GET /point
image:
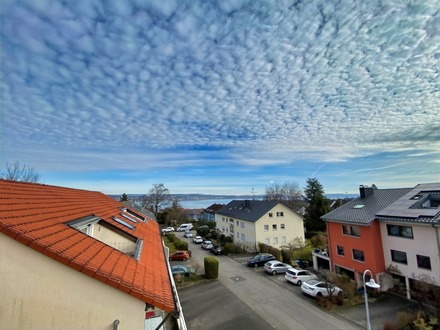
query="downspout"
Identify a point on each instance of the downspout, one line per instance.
(438, 241)
(115, 324)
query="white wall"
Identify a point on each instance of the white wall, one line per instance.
(424, 242)
(293, 226)
(38, 292)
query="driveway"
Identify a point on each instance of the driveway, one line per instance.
(243, 298)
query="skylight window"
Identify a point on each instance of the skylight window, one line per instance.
(126, 216)
(358, 206)
(122, 222)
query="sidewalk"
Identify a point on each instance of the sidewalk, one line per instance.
(381, 311)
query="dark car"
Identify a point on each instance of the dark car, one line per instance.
(260, 259)
(217, 249)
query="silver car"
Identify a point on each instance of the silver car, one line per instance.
(298, 276)
(276, 267)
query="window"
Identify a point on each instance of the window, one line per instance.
(266, 227)
(267, 241)
(403, 231)
(270, 215)
(243, 238)
(358, 255)
(399, 256)
(283, 239)
(280, 214)
(351, 230)
(275, 240)
(282, 226)
(238, 235)
(242, 224)
(274, 227)
(423, 262)
(340, 250)
(238, 223)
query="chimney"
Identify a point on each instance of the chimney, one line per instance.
(366, 191)
(247, 203)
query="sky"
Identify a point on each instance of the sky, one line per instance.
(221, 97)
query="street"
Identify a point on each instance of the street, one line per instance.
(254, 296)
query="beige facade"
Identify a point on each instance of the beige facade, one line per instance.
(38, 292)
(279, 227)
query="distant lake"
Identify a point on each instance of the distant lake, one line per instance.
(203, 203)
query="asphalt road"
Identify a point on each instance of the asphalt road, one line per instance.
(248, 298)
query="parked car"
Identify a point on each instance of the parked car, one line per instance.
(188, 234)
(260, 259)
(179, 255)
(185, 227)
(298, 276)
(320, 288)
(276, 267)
(207, 245)
(167, 230)
(181, 270)
(217, 249)
(198, 240)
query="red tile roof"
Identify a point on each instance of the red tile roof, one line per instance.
(36, 215)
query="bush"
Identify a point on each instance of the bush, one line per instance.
(211, 267)
(275, 252)
(286, 256)
(181, 245)
(263, 248)
(231, 248)
(171, 237)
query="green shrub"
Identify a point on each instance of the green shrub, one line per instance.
(263, 248)
(225, 239)
(181, 245)
(211, 267)
(171, 237)
(275, 252)
(286, 256)
(231, 248)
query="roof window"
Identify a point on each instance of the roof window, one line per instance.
(122, 222)
(126, 216)
(358, 206)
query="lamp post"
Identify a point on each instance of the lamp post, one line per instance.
(372, 284)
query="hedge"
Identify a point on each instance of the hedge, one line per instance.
(211, 267)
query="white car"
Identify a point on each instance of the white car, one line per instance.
(188, 234)
(320, 288)
(207, 245)
(167, 230)
(298, 276)
(198, 240)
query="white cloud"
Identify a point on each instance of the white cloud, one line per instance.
(269, 84)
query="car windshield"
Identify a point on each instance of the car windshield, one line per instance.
(312, 282)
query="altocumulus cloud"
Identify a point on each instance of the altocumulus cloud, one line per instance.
(259, 82)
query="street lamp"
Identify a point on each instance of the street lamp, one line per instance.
(372, 284)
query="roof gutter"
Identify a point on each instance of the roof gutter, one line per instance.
(177, 313)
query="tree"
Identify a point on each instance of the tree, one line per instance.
(123, 198)
(174, 212)
(158, 197)
(318, 206)
(24, 173)
(289, 193)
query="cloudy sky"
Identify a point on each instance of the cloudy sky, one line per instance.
(221, 97)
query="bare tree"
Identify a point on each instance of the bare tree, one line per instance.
(158, 197)
(24, 173)
(289, 193)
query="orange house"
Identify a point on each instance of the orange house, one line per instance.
(354, 237)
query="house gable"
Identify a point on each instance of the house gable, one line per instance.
(39, 215)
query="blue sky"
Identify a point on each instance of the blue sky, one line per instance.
(221, 97)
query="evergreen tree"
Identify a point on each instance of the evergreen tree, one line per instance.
(318, 206)
(123, 198)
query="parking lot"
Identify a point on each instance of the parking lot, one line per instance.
(249, 298)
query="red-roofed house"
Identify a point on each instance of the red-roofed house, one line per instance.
(78, 259)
